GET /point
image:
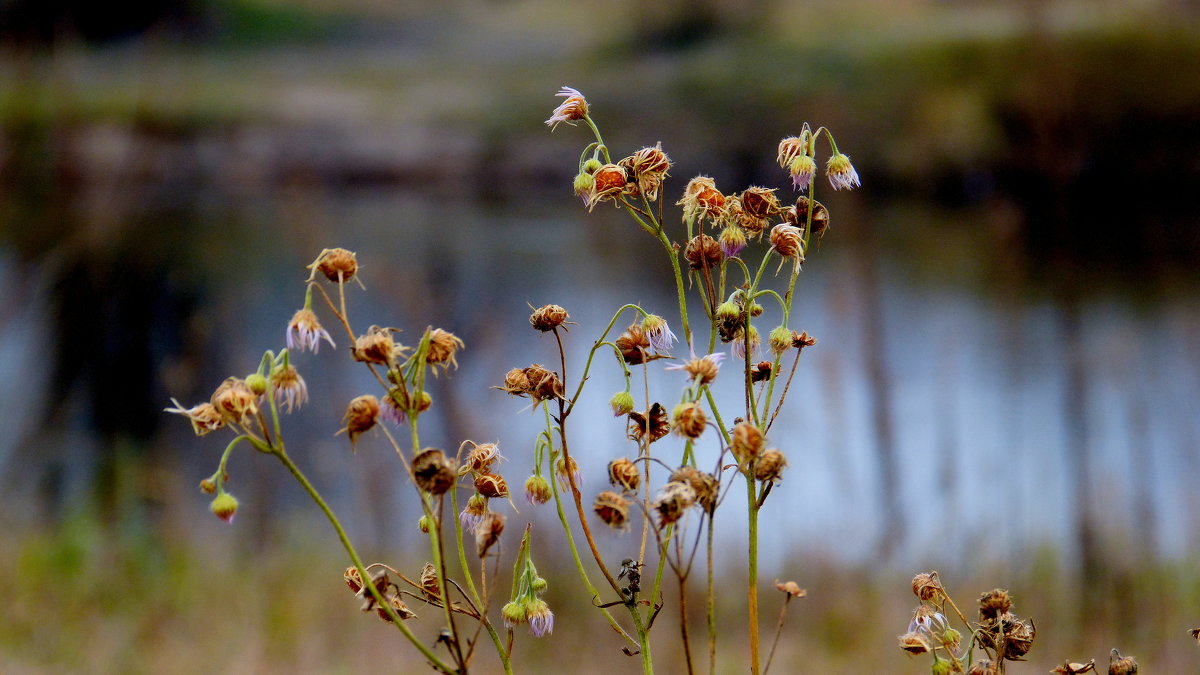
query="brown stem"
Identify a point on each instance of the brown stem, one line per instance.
(778, 631)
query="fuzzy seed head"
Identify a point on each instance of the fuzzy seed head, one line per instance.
(235, 401)
(689, 420)
(1121, 665)
(672, 501)
(337, 264)
(624, 474)
(481, 457)
(770, 465)
(548, 317)
(747, 443)
(703, 252)
(702, 200)
(361, 415)
(703, 369)
(648, 167)
(798, 216)
(633, 344)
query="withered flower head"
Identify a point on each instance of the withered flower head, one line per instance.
(430, 583)
(234, 401)
(612, 508)
(788, 241)
(1070, 668)
(994, 603)
(648, 167)
(353, 579)
(624, 474)
(567, 471)
(802, 340)
(841, 173)
(337, 264)
(289, 386)
(516, 382)
(792, 147)
(747, 443)
(984, 667)
(1018, 639)
(761, 371)
(473, 513)
(914, 643)
(544, 384)
(204, 417)
(672, 501)
(798, 216)
(548, 317)
(702, 200)
(488, 532)
(745, 342)
(791, 589)
(1121, 665)
(689, 419)
(702, 369)
(433, 471)
(651, 426)
(571, 110)
(703, 252)
(361, 415)
(208, 486)
(705, 485)
(760, 203)
(396, 602)
(927, 586)
(633, 344)
(610, 181)
(770, 465)
(442, 348)
(537, 490)
(491, 486)
(481, 457)
(375, 346)
(304, 332)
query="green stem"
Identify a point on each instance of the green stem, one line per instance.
(683, 315)
(752, 569)
(469, 578)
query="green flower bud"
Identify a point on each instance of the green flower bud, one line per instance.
(590, 166)
(257, 384)
(539, 585)
(780, 339)
(622, 404)
(224, 506)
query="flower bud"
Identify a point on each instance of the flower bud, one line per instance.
(513, 613)
(537, 490)
(622, 403)
(207, 486)
(780, 339)
(224, 506)
(591, 165)
(257, 384)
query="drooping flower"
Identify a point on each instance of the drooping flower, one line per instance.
(204, 417)
(841, 173)
(732, 240)
(304, 332)
(802, 169)
(701, 199)
(571, 110)
(648, 167)
(658, 332)
(703, 369)
(541, 619)
(290, 387)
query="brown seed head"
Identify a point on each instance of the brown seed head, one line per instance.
(770, 465)
(361, 415)
(984, 667)
(702, 200)
(672, 501)
(488, 532)
(651, 426)
(703, 252)
(1121, 665)
(430, 583)
(544, 384)
(480, 458)
(802, 340)
(760, 203)
(442, 348)
(788, 241)
(234, 401)
(352, 579)
(1070, 668)
(927, 586)
(790, 148)
(761, 371)
(798, 215)
(516, 382)
(747, 443)
(491, 486)
(705, 485)
(648, 167)
(548, 317)
(376, 346)
(1018, 639)
(624, 474)
(397, 604)
(337, 264)
(612, 508)
(610, 181)
(433, 471)
(689, 420)
(633, 344)
(914, 643)
(994, 603)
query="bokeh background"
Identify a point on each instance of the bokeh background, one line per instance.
(1006, 387)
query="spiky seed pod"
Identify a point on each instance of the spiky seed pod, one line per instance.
(491, 486)
(747, 443)
(234, 400)
(361, 415)
(914, 643)
(337, 264)
(927, 586)
(705, 485)
(516, 382)
(703, 252)
(612, 508)
(770, 465)
(624, 474)
(548, 317)
(689, 420)
(488, 532)
(375, 346)
(672, 501)
(443, 346)
(994, 603)
(433, 471)
(633, 344)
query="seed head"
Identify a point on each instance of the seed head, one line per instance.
(841, 173)
(433, 471)
(442, 348)
(224, 506)
(761, 371)
(747, 443)
(375, 346)
(612, 508)
(648, 167)
(624, 474)
(480, 458)
(791, 589)
(689, 420)
(788, 242)
(633, 344)
(491, 486)
(304, 332)
(537, 490)
(544, 384)
(622, 403)
(337, 264)
(798, 216)
(928, 587)
(488, 532)
(705, 485)
(516, 382)
(759, 204)
(353, 579)
(361, 415)
(791, 148)
(702, 369)
(770, 465)
(1121, 665)
(703, 252)
(234, 401)
(571, 110)
(548, 317)
(610, 181)
(672, 501)
(1070, 668)
(914, 643)
(702, 200)
(205, 418)
(994, 603)
(651, 426)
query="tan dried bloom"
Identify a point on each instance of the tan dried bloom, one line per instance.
(610, 180)
(205, 418)
(802, 340)
(702, 200)
(548, 317)
(337, 264)
(984, 667)
(397, 604)
(703, 252)
(798, 216)
(770, 465)
(234, 401)
(633, 344)
(488, 532)
(1121, 665)
(788, 241)
(650, 426)
(672, 501)
(624, 474)
(491, 486)
(1070, 668)
(430, 583)
(375, 346)
(612, 508)
(648, 167)
(914, 643)
(927, 586)
(702, 369)
(994, 603)
(790, 148)
(544, 384)
(705, 485)
(571, 110)
(353, 579)
(516, 382)
(791, 588)
(361, 415)
(759, 203)
(747, 443)
(443, 346)
(689, 420)
(481, 457)
(433, 471)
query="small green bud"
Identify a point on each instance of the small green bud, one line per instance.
(537, 490)
(951, 638)
(257, 384)
(584, 183)
(224, 506)
(941, 666)
(424, 525)
(622, 403)
(728, 311)
(207, 486)
(539, 585)
(780, 339)
(591, 165)
(513, 613)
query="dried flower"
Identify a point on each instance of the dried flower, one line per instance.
(633, 344)
(770, 465)
(841, 173)
(994, 603)
(914, 643)
(672, 501)
(747, 443)
(802, 340)
(1070, 668)
(480, 458)
(651, 426)
(761, 371)
(396, 602)
(289, 386)
(621, 403)
(984, 667)
(705, 485)
(433, 471)
(610, 181)
(548, 317)
(792, 147)
(442, 348)
(788, 242)
(658, 333)
(571, 110)
(487, 533)
(624, 474)
(798, 216)
(491, 486)
(234, 400)
(689, 419)
(759, 204)
(702, 200)
(703, 369)
(337, 264)
(612, 508)
(353, 579)
(205, 418)
(430, 583)
(1121, 665)
(375, 346)
(791, 589)
(304, 332)
(516, 382)
(537, 490)
(703, 252)
(648, 167)
(361, 415)
(927, 586)
(224, 506)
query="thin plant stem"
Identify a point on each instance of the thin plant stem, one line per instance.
(752, 571)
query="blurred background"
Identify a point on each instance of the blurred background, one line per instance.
(1006, 387)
